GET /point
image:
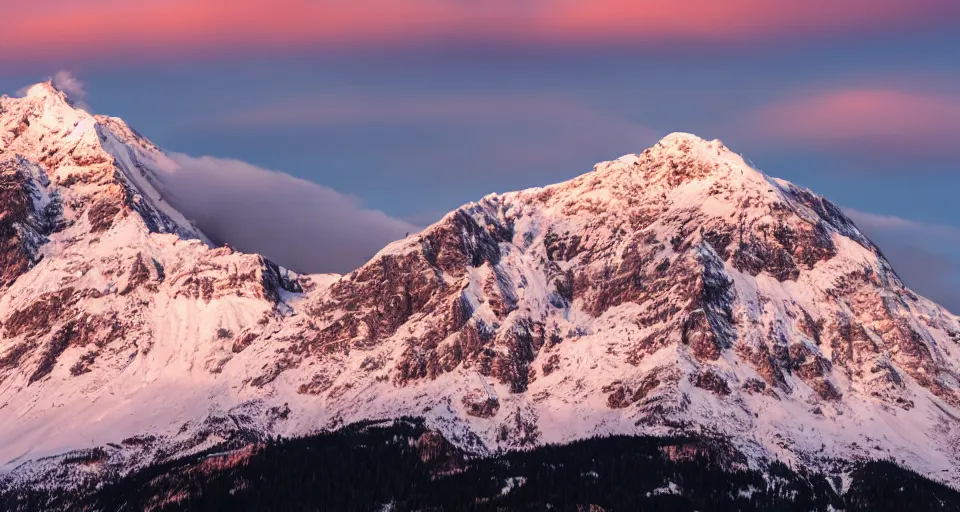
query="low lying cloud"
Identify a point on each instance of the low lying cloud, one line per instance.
(296, 223)
(864, 121)
(926, 256)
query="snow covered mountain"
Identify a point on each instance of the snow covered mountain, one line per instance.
(678, 290)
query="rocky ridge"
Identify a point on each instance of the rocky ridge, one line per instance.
(676, 291)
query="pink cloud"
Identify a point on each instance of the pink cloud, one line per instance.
(863, 119)
(56, 28)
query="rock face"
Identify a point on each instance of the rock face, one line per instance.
(27, 215)
(674, 291)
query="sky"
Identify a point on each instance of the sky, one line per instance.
(396, 111)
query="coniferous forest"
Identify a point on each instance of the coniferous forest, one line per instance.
(401, 465)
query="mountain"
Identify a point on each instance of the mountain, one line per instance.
(675, 292)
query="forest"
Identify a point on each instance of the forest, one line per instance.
(401, 465)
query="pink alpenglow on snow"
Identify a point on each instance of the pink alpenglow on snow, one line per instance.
(666, 292)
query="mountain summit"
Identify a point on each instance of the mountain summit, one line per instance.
(675, 291)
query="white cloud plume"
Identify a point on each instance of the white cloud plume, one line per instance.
(66, 82)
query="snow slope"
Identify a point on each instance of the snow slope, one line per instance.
(676, 290)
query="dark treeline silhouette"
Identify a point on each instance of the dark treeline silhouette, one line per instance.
(401, 465)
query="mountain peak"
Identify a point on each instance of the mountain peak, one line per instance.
(44, 90)
(672, 292)
(96, 165)
(50, 94)
(686, 142)
(677, 138)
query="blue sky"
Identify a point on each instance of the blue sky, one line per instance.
(869, 120)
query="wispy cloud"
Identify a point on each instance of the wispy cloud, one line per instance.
(476, 132)
(55, 28)
(459, 108)
(926, 256)
(894, 223)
